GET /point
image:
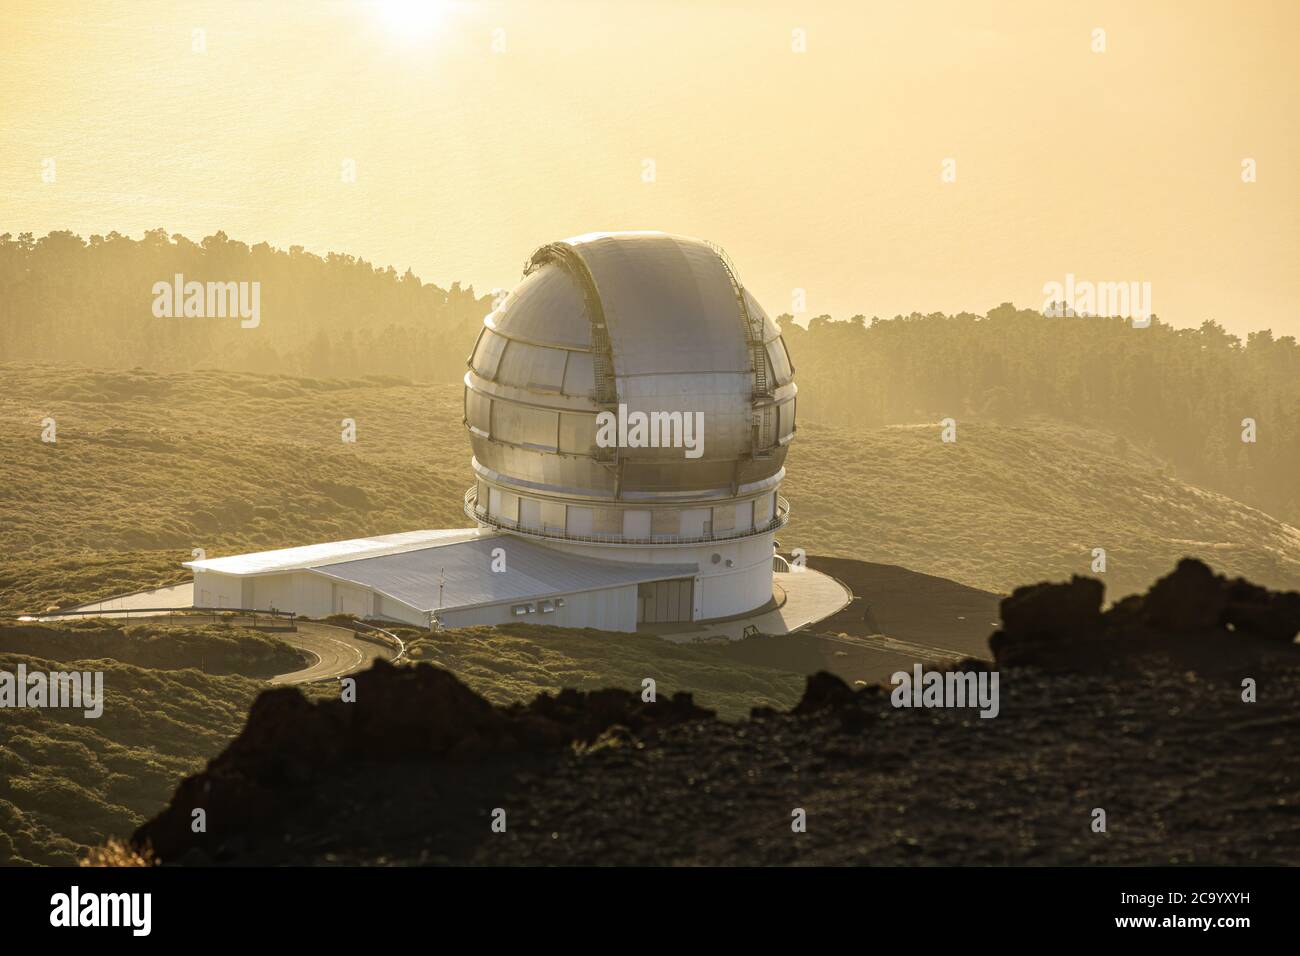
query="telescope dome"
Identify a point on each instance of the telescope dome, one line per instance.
(629, 389)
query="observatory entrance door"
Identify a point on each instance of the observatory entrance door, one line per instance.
(661, 602)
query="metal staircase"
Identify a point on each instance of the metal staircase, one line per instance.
(605, 393)
(762, 397)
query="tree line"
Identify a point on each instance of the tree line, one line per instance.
(1183, 395)
(1180, 394)
(66, 299)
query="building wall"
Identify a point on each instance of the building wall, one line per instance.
(611, 609)
(302, 592)
(313, 595)
(213, 589)
(387, 608)
(738, 581)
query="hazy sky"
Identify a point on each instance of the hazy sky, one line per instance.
(818, 170)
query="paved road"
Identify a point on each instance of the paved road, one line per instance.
(337, 651)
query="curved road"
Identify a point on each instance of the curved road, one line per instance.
(337, 651)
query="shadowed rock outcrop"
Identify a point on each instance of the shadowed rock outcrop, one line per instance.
(1138, 708)
(419, 712)
(1060, 625)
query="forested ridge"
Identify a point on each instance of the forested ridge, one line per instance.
(65, 299)
(1178, 393)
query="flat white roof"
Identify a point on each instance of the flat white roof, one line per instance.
(448, 569)
(335, 552)
(460, 575)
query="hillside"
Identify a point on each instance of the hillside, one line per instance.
(148, 466)
(56, 805)
(174, 696)
(157, 645)
(1137, 711)
(516, 662)
(67, 299)
(1005, 504)
(1180, 393)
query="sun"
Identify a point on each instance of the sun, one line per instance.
(410, 20)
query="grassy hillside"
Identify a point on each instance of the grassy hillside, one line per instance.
(148, 466)
(517, 662)
(1005, 505)
(212, 648)
(67, 782)
(174, 696)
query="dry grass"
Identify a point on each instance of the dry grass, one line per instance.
(68, 783)
(117, 853)
(1004, 506)
(149, 466)
(518, 662)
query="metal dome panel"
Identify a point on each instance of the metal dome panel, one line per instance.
(655, 322)
(669, 305)
(547, 308)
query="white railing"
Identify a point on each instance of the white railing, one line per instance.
(472, 511)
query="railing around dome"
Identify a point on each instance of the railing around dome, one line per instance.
(472, 511)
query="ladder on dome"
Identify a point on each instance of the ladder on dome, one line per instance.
(605, 393)
(762, 398)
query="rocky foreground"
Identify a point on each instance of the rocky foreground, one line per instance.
(1137, 710)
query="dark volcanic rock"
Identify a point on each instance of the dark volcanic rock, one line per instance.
(1054, 610)
(824, 690)
(400, 713)
(1040, 620)
(1137, 709)
(1062, 625)
(585, 716)
(1274, 616)
(1191, 598)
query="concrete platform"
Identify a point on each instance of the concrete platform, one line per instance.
(801, 598)
(898, 618)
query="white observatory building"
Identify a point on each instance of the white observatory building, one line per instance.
(629, 406)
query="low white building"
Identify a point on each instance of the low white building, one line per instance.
(450, 578)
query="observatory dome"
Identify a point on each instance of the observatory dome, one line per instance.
(629, 406)
(603, 328)
(649, 321)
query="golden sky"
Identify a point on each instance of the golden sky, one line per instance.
(482, 130)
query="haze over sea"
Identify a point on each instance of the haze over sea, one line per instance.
(818, 170)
